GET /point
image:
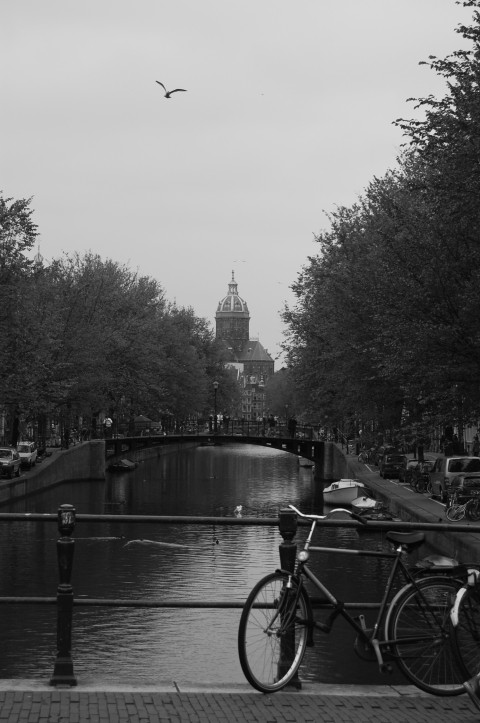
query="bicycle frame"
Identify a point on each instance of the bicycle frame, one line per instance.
(412, 625)
(369, 636)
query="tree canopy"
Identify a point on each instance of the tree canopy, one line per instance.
(84, 336)
(386, 324)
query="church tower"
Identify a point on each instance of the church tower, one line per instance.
(253, 363)
(232, 320)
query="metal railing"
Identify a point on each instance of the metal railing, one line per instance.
(66, 519)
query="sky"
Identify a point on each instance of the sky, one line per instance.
(288, 113)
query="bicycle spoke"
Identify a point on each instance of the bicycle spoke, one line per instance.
(422, 638)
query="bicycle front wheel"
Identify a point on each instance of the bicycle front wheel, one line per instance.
(455, 512)
(272, 635)
(467, 632)
(422, 638)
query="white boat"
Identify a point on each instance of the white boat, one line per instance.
(364, 503)
(343, 492)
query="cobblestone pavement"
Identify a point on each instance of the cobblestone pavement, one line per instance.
(24, 702)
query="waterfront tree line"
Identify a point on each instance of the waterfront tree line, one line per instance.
(385, 329)
(82, 337)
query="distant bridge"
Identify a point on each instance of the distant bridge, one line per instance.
(328, 459)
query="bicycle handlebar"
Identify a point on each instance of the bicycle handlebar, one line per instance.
(356, 517)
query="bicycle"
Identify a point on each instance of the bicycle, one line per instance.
(456, 511)
(277, 624)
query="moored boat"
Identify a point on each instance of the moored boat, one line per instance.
(364, 502)
(124, 465)
(303, 462)
(343, 492)
(377, 514)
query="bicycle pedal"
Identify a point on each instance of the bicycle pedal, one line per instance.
(361, 620)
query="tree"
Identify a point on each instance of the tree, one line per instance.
(385, 325)
(18, 329)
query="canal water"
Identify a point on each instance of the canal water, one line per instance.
(173, 562)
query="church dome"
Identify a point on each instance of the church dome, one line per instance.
(232, 302)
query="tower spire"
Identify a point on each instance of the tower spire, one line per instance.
(232, 318)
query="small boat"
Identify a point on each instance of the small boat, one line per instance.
(377, 514)
(343, 492)
(364, 503)
(124, 465)
(305, 462)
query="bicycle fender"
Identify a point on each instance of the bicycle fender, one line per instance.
(454, 611)
(473, 578)
(310, 623)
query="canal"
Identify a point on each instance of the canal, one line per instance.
(123, 560)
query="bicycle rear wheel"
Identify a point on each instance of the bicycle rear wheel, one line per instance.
(272, 635)
(422, 636)
(467, 632)
(472, 510)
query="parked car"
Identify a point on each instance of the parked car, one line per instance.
(446, 468)
(379, 452)
(9, 462)
(405, 473)
(391, 463)
(28, 453)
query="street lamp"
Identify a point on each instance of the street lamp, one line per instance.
(215, 387)
(286, 419)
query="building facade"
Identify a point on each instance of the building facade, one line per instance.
(252, 362)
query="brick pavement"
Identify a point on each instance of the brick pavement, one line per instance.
(26, 702)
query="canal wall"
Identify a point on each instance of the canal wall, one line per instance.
(331, 463)
(85, 461)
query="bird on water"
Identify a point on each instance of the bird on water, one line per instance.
(168, 93)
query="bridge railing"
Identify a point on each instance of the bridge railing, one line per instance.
(232, 427)
(120, 445)
(67, 518)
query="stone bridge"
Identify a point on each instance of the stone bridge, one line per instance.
(329, 461)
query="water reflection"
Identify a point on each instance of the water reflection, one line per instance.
(194, 562)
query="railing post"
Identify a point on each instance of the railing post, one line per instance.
(63, 670)
(288, 553)
(288, 549)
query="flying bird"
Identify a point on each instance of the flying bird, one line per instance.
(168, 93)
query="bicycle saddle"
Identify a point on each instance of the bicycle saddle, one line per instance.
(409, 539)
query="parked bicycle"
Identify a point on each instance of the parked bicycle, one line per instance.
(412, 627)
(420, 480)
(456, 510)
(366, 456)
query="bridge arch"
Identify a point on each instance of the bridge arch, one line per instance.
(328, 459)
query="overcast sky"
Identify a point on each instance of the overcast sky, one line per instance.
(288, 113)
